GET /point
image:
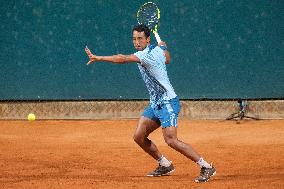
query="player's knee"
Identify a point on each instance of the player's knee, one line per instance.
(171, 142)
(137, 138)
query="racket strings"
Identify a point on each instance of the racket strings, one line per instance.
(149, 15)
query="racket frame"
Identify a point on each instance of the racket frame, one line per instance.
(155, 28)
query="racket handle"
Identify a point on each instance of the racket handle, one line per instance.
(157, 37)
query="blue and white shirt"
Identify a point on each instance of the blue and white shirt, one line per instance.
(154, 74)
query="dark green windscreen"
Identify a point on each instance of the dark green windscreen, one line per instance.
(220, 49)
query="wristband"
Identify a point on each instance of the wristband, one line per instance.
(163, 47)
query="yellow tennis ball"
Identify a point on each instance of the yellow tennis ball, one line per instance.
(31, 117)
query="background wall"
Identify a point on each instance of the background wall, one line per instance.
(220, 49)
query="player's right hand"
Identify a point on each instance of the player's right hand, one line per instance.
(162, 43)
(91, 56)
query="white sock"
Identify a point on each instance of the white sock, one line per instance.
(164, 162)
(202, 163)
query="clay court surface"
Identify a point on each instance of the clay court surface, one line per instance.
(101, 154)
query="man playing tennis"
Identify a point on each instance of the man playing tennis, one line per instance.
(164, 105)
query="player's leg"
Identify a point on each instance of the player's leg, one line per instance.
(144, 128)
(170, 137)
(207, 170)
(168, 114)
(146, 125)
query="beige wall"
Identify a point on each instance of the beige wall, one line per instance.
(270, 109)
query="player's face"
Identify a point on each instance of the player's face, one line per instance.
(140, 41)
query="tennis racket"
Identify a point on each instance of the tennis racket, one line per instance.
(149, 15)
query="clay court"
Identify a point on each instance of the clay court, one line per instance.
(101, 154)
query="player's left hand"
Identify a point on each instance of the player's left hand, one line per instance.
(92, 57)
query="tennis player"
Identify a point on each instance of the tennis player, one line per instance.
(164, 105)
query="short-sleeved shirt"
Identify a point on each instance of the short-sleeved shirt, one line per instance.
(154, 74)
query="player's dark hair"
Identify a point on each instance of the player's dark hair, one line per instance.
(142, 28)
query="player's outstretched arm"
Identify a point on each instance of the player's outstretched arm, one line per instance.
(118, 59)
(167, 54)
